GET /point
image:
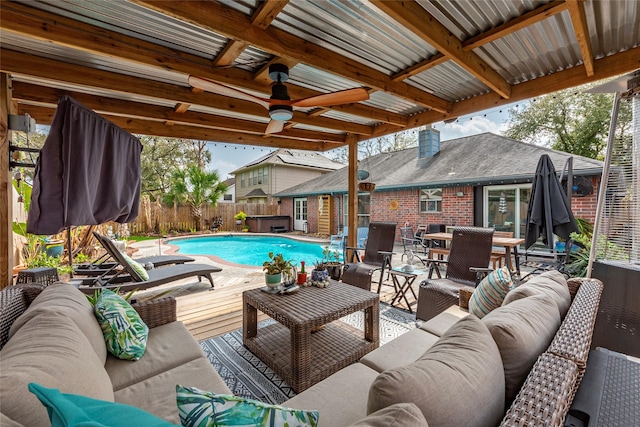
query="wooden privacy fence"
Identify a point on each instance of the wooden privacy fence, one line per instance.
(159, 218)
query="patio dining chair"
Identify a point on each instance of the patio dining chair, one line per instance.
(378, 251)
(467, 263)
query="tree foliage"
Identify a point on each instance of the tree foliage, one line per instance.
(195, 187)
(571, 121)
(162, 156)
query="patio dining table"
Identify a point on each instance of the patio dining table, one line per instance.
(509, 243)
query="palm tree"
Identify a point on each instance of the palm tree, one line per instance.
(195, 187)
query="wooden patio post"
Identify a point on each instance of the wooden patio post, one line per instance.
(6, 190)
(352, 219)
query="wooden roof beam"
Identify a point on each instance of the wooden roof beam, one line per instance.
(56, 29)
(607, 67)
(21, 63)
(581, 28)
(233, 24)
(414, 17)
(44, 114)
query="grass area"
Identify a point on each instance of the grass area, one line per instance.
(139, 238)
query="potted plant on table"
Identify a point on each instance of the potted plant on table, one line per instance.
(320, 274)
(302, 275)
(275, 268)
(331, 261)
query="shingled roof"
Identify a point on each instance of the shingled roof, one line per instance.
(485, 159)
(301, 158)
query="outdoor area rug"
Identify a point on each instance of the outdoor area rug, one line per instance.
(249, 377)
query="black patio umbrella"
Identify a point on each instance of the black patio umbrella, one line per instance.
(549, 210)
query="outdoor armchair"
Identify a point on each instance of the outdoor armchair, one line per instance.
(468, 260)
(377, 256)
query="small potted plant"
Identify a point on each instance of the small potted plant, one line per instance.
(320, 275)
(302, 274)
(331, 260)
(275, 268)
(240, 217)
(245, 228)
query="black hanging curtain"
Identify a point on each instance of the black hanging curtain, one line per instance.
(88, 172)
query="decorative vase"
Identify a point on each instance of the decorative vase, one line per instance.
(273, 280)
(319, 275)
(302, 278)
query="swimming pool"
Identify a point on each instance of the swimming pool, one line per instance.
(251, 250)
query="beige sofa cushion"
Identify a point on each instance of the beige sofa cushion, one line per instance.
(341, 399)
(405, 349)
(49, 350)
(442, 322)
(457, 380)
(168, 346)
(551, 283)
(522, 330)
(157, 394)
(70, 302)
(397, 415)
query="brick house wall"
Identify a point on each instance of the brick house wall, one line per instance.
(456, 209)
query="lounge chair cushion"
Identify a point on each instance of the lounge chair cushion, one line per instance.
(198, 407)
(137, 267)
(67, 409)
(397, 415)
(551, 283)
(522, 330)
(442, 322)
(124, 331)
(65, 300)
(490, 292)
(451, 374)
(51, 350)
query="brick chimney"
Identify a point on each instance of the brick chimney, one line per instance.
(428, 142)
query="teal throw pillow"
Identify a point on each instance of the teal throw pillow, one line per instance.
(490, 292)
(81, 411)
(124, 331)
(137, 267)
(199, 408)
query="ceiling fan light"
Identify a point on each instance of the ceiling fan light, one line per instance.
(281, 112)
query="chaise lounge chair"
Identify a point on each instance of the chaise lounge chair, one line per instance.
(102, 265)
(132, 280)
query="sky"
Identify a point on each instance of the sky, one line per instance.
(226, 158)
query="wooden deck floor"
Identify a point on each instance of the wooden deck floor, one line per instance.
(210, 312)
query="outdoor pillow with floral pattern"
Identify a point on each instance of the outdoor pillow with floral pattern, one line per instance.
(199, 408)
(124, 331)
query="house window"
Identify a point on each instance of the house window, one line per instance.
(258, 176)
(228, 197)
(431, 200)
(364, 209)
(242, 179)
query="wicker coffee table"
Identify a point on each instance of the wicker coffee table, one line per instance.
(307, 344)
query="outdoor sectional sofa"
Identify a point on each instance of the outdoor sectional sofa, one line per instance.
(50, 336)
(519, 365)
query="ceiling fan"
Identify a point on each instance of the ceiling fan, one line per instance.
(280, 105)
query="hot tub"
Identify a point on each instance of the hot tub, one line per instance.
(268, 223)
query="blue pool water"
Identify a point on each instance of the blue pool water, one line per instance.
(251, 250)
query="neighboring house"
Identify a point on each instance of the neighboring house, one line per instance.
(229, 196)
(481, 180)
(257, 181)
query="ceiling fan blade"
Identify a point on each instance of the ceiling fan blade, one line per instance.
(334, 98)
(220, 89)
(274, 126)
